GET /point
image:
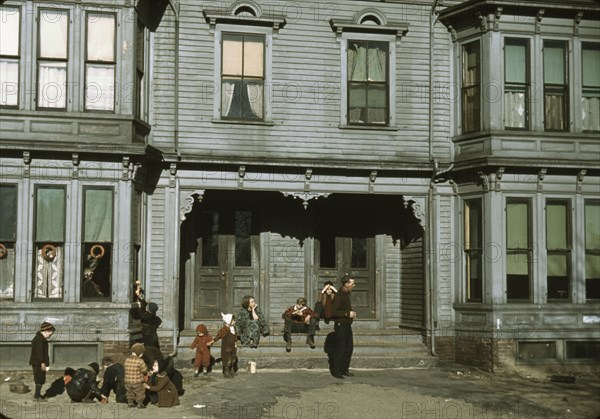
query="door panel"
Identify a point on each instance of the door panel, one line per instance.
(226, 261)
(355, 256)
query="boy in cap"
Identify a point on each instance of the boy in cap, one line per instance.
(39, 359)
(135, 373)
(83, 387)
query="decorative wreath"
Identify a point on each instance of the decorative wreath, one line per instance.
(97, 251)
(3, 251)
(49, 252)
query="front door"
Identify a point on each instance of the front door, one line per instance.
(336, 256)
(227, 263)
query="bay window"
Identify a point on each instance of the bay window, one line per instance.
(53, 47)
(243, 76)
(49, 241)
(590, 94)
(518, 250)
(100, 62)
(368, 85)
(558, 250)
(10, 33)
(556, 89)
(516, 83)
(471, 87)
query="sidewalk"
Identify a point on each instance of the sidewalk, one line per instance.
(449, 391)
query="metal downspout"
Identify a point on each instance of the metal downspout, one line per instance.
(176, 146)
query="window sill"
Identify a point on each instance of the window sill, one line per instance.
(240, 122)
(368, 127)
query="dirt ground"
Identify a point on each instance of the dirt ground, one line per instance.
(448, 391)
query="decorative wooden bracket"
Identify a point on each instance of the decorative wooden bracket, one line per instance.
(497, 16)
(305, 196)
(372, 178)
(125, 171)
(27, 163)
(498, 179)
(307, 177)
(241, 175)
(187, 202)
(484, 181)
(172, 174)
(538, 21)
(75, 161)
(541, 176)
(576, 23)
(580, 177)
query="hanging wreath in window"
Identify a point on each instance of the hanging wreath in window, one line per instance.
(49, 252)
(97, 251)
(3, 251)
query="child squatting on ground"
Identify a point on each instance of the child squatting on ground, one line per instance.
(202, 344)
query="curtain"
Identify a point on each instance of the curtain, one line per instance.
(228, 88)
(54, 34)
(100, 87)
(98, 215)
(101, 37)
(590, 113)
(7, 273)
(49, 275)
(554, 111)
(52, 85)
(255, 98)
(514, 110)
(9, 80)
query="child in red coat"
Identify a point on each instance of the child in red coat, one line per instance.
(202, 344)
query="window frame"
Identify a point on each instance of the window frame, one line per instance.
(11, 244)
(246, 29)
(87, 61)
(37, 243)
(17, 58)
(476, 113)
(40, 59)
(513, 86)
(528, 251)
(592, 252)
(141, 88)
(553, 87)
(391, 40)
(86, 243)
(567, 251)
(595, 89)
(469, 250)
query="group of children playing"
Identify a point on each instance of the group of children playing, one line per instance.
(203, 341)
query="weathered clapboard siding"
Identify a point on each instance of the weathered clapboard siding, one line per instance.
(298, 67)
(392, 282)
(286, 275)
(412, 286)
(156, 276)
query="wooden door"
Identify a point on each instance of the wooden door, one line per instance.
(227, 263)
(336, 256)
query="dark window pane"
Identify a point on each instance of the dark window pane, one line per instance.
(327, 252)
(359, 253)
(470, 89)
(243, 245)
(583, 350)
(210, 238)
(96, 277)
(8, 213)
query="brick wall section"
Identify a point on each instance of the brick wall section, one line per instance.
(445, 347)
(504, 354)
(118, 351)
(474, 351)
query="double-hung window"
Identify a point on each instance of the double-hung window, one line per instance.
(518, 250)
(558, 250)
(471, 87)
(368, 87)
(8, 238)
(53, 56)
(140, 68)
(556, 87)
(49, 241)
(590, 95)
(100, 62)
(243, 76)
(592, 250)
(10, 33)
(97, 243)
(516, 83)
(473, 250)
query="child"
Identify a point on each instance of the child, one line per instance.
(162, 385)
(39, 359)
(135, 372)
(202, 344)
(58, 386)
(228, 346)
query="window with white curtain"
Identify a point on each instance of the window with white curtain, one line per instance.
(53, 47)
(100, 62)
(243, 76)
(10, 33)
(470, 87)
(368, 87)
(590, 95)
(516, 83)
(556, 88)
